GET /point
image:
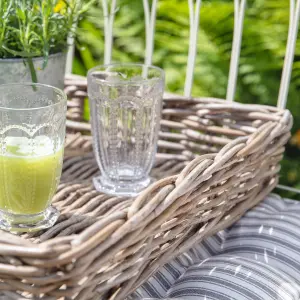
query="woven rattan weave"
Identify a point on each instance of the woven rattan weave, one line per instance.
(216, 160)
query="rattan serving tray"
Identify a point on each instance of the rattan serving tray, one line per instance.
(216, 160)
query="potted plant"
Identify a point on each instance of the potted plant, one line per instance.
(33, 39)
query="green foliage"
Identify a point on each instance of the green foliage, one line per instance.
(30, 28)
(263, 49)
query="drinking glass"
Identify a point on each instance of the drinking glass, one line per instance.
(126, 103)
(32, 133)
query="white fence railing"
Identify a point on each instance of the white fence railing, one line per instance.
(239, 15)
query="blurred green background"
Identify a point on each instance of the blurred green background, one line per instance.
(263, 48)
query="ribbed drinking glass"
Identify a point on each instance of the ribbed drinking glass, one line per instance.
(126, 103)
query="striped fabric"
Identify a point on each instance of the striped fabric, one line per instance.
(270, 233)
(258, 258)
(159, 284)
(227, 277)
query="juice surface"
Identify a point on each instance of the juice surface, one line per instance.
(29, 174)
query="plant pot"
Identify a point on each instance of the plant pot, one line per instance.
(17, 70)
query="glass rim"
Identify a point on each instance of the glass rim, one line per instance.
(128, 82)
(42, 85)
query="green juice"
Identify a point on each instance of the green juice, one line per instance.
(29, 174)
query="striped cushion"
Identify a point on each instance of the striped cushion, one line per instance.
(226, 277)
(270, 233)
(159, 284)
(257, 258)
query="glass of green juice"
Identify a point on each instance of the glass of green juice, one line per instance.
(32, 134)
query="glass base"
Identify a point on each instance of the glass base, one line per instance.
(28, 223)
(123, 188)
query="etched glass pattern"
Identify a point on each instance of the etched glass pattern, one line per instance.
(125, 102)
(32, 133)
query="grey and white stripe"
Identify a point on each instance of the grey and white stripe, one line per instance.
(258, 258)
(269, 233)
(231, 277)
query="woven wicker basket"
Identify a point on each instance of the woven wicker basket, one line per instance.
(216, 160)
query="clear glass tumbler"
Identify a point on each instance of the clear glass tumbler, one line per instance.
(32, 133)
(126, 103)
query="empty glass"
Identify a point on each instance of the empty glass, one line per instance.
(32, 133)
(125, 102)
